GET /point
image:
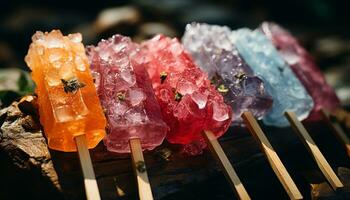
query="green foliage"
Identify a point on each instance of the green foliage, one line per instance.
(14, 83)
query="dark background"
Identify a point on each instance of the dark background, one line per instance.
(323, 26)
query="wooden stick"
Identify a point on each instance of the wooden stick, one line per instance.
(91, 188)
(337, 130)
(225, 164)
(314, 150)
(138, 162)
(272, 157)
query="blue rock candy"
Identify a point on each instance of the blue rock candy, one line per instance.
(214, 52)
(287, 92)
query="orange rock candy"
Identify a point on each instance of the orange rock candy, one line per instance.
(68, 102)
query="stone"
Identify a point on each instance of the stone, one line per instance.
(126, 94)
(304, 67)
(67, 98)
(287, 91)
(23, 143)
(189, 103)
(214, 52)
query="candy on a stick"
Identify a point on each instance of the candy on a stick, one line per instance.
(194, 110)
(69, 108)
(126, 94)
(69, 105)
(292, 98)
(189, 103)
(214, 52)
(309, 74)
(287, 91)
(304, 68)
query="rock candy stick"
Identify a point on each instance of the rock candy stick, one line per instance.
(306, 70)
(287, 92)
(69, 108)
(214, 51)
(309, 74)
(126, 93)
(190, 105)
(293, 100)
(304, 67)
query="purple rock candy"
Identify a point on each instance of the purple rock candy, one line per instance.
(214, 52)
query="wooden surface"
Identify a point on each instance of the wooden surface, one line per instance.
(272, 156)
(337, 130)
(230, 173)
(90, 183)
(314, 150)
(29, 170)
(140, 170)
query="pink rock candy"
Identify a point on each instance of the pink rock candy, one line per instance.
(304, 67)
(126, 94)
(189, 103)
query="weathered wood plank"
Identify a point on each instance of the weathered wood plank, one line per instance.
(29, 173)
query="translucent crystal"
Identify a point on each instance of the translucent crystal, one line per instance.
(200, 99)
(189, 103)
(68, 102)
(304, 68)
(287, 91)
(136, 97)
(80, 63)
(75, 37)
(126, 94)
(214, 52)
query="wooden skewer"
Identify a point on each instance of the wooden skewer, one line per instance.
(337, 130)
(91, 188)
(138, 162)
(229, 172)
(314, 150)
(272, 157)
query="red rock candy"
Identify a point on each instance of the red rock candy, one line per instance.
(189, 103)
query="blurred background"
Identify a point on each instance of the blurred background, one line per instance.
(322, 26)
